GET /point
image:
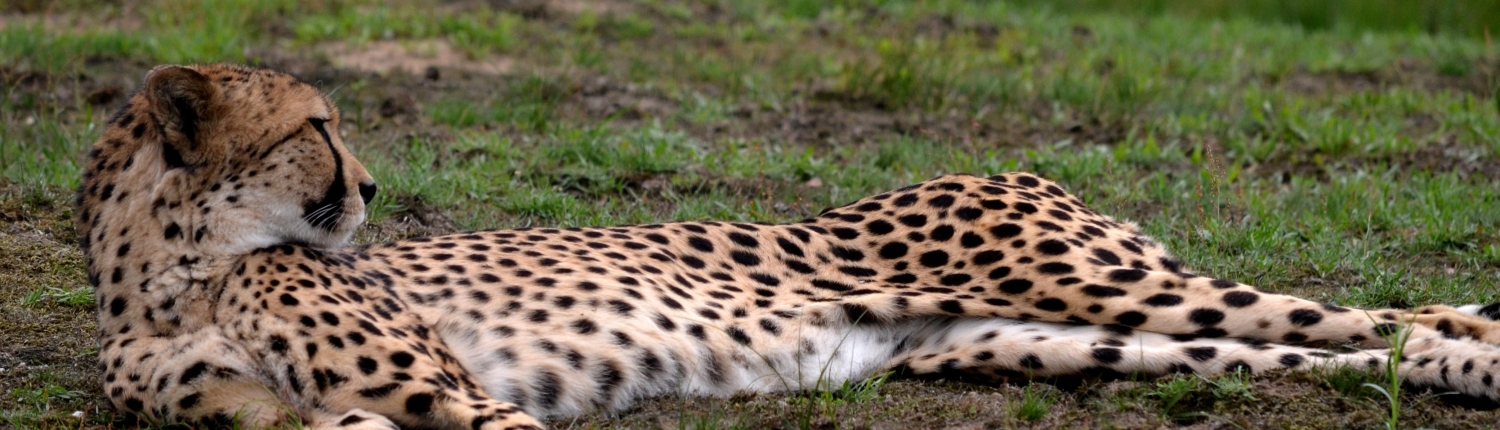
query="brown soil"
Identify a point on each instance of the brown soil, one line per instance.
(425, 57)
(1480, 79)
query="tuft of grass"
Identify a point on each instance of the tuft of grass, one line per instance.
(1173, 391)
(1350, 381)
(1035, 402)
(1237, 385)
(821, 402)
(1391, 389)
(82, 297)
(43, 396)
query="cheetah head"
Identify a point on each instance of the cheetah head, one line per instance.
(229, 159)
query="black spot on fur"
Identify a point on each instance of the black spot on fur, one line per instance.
(893, 250)
(700, 243)
(1238, 365)
(1305, 317)
(367, 365)
(419, 404)
(951, 306)
(1240, 299)
(846, 253)
(1163, 300)
(1201, 353)
(1052, 247)
(1055, 268)
(1005, 231)
(1291, 360)
(985, 258)
(935, 258)
(1107, 355)
(192, 372)
(1102, 291)
(745, 258)
(402, 359)
(1131, 318)
(1031, 361)
(1127, 275)
(1206, 317)
(1015, 286)
(1107, 257)
(1052, 305)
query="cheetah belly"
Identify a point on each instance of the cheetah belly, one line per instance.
(827, 357)
(559, 373)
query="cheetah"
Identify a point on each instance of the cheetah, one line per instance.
(217, 207)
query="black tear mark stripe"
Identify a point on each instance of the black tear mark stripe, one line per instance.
(336, 190)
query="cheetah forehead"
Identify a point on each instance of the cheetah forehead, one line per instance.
(263, 96)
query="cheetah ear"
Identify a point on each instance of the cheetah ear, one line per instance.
(182, 102)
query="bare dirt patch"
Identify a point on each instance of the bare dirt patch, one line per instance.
(1446, 157)
(602, 97)
(591, 6)
(1477, 78)
(47, 343)
(411, 57)
(417, 218)
(546, 9)
(837, 122)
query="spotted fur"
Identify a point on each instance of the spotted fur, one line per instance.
(216, 208)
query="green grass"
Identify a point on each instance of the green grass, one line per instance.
(1343, 151)
(1172, 391)
(478, 34)
(1445, 16)
(81, 297)
(1035, 402)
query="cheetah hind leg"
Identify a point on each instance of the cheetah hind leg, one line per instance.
(1481, 323)
(999, 350)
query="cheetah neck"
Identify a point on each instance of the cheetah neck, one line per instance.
(139, 242)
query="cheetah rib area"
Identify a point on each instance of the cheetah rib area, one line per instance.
(217, 207)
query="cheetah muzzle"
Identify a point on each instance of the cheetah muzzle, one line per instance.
(217, 206)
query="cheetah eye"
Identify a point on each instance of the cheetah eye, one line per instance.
(317, 124)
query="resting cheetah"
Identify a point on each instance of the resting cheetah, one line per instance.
(217, 206)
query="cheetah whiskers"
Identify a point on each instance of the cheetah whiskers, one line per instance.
(329, 215)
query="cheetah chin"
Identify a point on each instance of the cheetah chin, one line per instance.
(216, 209)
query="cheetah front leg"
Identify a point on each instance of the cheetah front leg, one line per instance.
(204, 378)
(391, 374)
(197, 378)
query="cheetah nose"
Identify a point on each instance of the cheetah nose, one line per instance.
(367, 191)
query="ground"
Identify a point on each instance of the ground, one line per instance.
(1353, 159)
